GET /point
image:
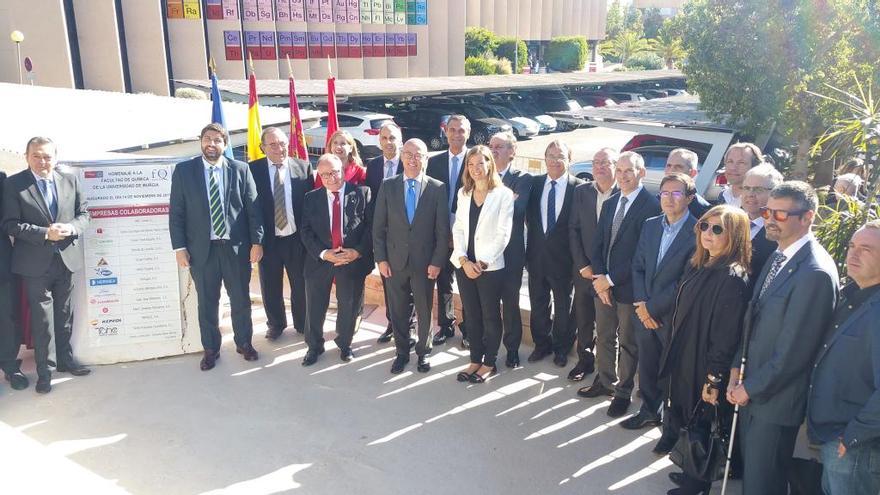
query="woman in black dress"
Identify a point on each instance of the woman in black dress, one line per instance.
(707, 324)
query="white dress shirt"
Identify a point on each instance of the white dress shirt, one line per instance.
(729, 198)
(755, 226)
(601, 197)
(560, 187)
(395, 162)
(793, 249)
(288, 195)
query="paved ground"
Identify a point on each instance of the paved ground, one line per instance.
(164, 427)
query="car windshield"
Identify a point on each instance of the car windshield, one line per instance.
(506, 112)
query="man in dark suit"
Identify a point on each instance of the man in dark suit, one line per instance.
(620, 225)
(337, 236)
(666, 244)
(448, 167)
(216, 232)
(756, 187)
(45, 213)
(685, 161)
(548, 255)
(844, 402)
(792, 307)
(281, 182)
(503, 146)
(382, 167)
(10, 337)
(588, 201)
(410, 245)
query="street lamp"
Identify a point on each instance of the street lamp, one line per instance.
(17, 37)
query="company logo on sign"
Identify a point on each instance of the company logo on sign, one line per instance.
(102, 262)
(103, 272)
(97, 282)
(93, 174)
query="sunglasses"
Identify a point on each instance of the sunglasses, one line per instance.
(780, 215)
(716, 229)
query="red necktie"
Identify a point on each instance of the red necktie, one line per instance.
(336, 223)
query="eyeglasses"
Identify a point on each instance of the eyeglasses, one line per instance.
(330, 175)
(408, 155)
(780, 215)
(755, 189)
(674, 194)
(716, 229)
(557, 158)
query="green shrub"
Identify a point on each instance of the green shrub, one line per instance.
(190, 93)
(567, 53)
(478, 40)
(478, 66)
(645, 61)
(502, 66)
(506, 49)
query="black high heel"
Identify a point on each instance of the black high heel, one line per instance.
(477, 378)
(464, 376)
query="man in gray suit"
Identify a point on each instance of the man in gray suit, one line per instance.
(216, 232)
(45, 213)
(792, 307)
(410, 245)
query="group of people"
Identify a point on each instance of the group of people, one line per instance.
(668, 287)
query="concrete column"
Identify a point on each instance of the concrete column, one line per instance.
(438, 38)
(146, 47)
(487, 14)
(455, 41)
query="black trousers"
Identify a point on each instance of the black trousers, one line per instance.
(287, 254)
(445, 308)
(767, 449)
(548, 333)
(511, 283)
(650, 344)
(405, 286)
(10, 336)
(349, 297)
(482, 301)
(412, 309)
(49, 298)
(234, 272)
(584, 318)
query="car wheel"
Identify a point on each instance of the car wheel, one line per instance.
(585, 176)
(480, 137)
(435, 143)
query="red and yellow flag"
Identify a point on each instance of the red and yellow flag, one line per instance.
(297, 148)
(332, 117)
(254, 128)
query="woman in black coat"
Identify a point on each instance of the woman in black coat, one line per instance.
(706, 323)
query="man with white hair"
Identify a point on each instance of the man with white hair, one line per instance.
(756, 187)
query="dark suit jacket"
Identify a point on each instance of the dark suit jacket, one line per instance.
(438, 168)
(189, 218)
(624, 247)
(845, 394)
(26, 218)
(356, 231)
(521, 184)
(376, 173)
(413, 246)
(550, 254)
(5, 245)
(699, 206)
(762, 248)
(788, 327)
(301, 182)
(583, 224)
(656, 284)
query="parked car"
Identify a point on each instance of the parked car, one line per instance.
(363, 126)
(483, 126)
(624, 97)
(676, 92)
(523, 127)
(582, 170)
(594, 100)
(518, 104)
(425, 123)
(655, 93)
(553, 101)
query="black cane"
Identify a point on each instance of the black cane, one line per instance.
(747, 333)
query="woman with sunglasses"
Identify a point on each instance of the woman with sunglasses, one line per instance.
(343, 145)
(483, 222)
(707, 320)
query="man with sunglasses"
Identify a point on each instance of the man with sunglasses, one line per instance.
(791, 308)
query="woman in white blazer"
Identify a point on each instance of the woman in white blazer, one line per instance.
(483, 222)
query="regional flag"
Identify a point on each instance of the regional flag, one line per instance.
(217, 109)
(297, 148)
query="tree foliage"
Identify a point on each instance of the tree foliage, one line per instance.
(624, 46)
(567, 53)
(644, 61)
(507, 49)
(479, 41)
(668, 48)
(652, 21)
(614, 20)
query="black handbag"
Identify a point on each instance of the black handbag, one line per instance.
(701, 449)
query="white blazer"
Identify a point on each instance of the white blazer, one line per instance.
(493, 228)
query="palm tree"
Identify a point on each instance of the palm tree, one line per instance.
(668, 48)
(625, 45)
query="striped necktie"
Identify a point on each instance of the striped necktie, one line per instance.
(218, 223)
(280, 200)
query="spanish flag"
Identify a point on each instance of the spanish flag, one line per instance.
(254, 128)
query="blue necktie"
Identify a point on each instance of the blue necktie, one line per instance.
(410, 199)
(551, 206)
(453, 182)
(49, 195)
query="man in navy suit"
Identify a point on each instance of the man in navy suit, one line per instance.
(666, 244)
(382, 167)
(792, 308)
(844, 402)
(10, 338)
(281, 182)
(620, 225)
(503, 146)
(685, 161)
(216, 232)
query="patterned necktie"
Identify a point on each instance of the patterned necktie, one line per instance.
(778, 260)
(280, 201)
(453, 182)
(618, 219)
(389, 169)
(49, 195)
(551, 207)
(410, 199)
(217, 221)
(336, 223)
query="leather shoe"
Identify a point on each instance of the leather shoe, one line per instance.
(595, 390)
(208, 360)
(248, 351)
(44, 385)
(17, 380)
(346, 354)
(424, 365)
(664, 445)
(641, 420)
(73, 368)
(443, 335)
(386, 336)
(311, 356)
(512, 360)
(272, 334)
(677, 478)
(580, 371)
(618, 407)
(399, 363)
(539, 354)
(560, 360)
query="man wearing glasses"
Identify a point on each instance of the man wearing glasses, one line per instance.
(791, 308)
(410, 245)
(756, 187)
